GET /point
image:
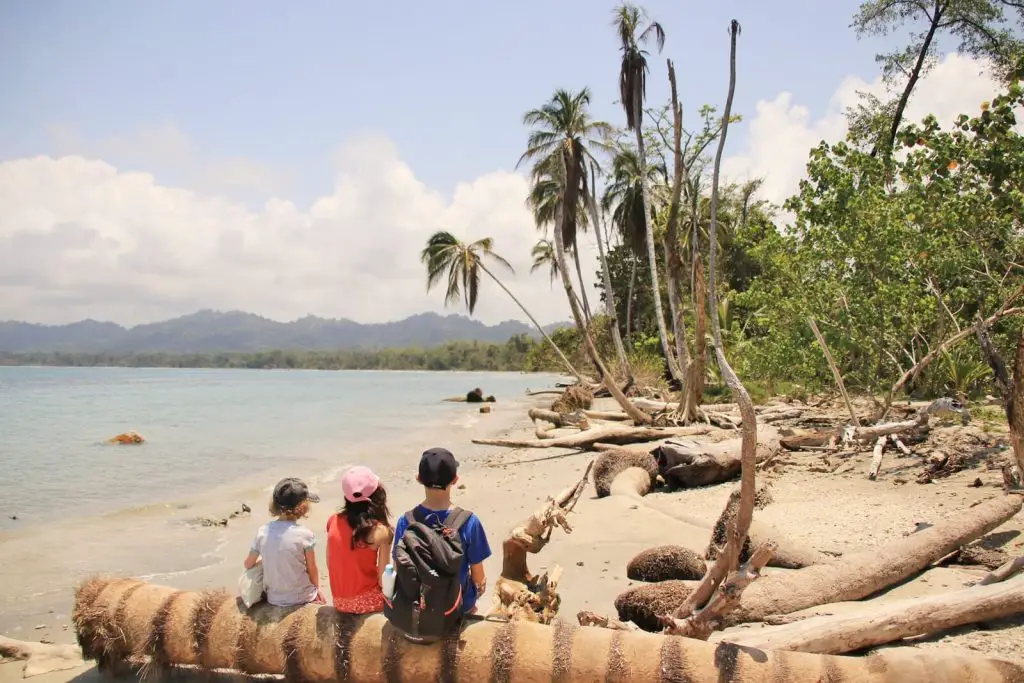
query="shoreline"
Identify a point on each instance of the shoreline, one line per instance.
(36, 583)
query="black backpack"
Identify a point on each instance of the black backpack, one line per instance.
(427, 601)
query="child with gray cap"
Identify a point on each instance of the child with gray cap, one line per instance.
(285, 548)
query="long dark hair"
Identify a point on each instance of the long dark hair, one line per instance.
(364, 515)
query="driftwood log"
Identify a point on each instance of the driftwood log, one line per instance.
(119, 618)
(519, 593)
(858, 575)
(689, 464)
(884, 622)
(610, 434)
(41, 658)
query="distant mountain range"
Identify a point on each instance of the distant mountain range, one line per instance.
(216, 331)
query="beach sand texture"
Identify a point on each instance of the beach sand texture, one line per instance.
(828, 512)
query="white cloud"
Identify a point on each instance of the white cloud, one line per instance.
(166, 148)
(782, 132)
(81, 238)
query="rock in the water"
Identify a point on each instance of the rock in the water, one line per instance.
(485, 409)
(475, 396)
(666, 563)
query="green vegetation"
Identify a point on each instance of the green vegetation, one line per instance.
(898, 241)
(513, 355)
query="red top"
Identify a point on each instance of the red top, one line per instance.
(355, 586)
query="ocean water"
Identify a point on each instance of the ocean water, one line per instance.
(72, 504)
(203, 429)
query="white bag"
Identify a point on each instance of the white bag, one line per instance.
(250, 585)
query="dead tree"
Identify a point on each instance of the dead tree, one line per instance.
(1011, 389)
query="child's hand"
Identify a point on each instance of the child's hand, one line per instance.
(481, 587)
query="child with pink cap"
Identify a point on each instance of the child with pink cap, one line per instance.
(359, 543)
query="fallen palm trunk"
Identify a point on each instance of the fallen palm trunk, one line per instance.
(612, 434)
(119, 618)
(857, 575)
(884, 623)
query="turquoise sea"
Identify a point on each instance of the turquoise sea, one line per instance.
(71, 504)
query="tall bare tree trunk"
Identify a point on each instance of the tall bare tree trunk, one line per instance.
(915, 74)
(739, 527)
(575, 373)
(629, 300)
(588, 316)
(1011, 388)
(609, 292)
(638, 416)
(659, 313)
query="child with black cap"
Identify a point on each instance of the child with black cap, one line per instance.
(438, 473)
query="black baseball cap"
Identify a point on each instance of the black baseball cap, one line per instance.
(438, 468)
(291, 493)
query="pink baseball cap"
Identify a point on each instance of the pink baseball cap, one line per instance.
(359, 483)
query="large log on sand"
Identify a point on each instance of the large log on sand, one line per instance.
(858, 575)
(119, 618)
(692, 463)
(880, 623)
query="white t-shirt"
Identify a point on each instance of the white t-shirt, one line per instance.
(283, 545)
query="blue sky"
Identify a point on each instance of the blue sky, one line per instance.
(291, 159)
(286, 83)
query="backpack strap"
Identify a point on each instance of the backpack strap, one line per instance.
(410, 517)
(457, 517)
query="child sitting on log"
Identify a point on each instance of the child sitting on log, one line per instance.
(285, 548)
(359, 544)
(438, 557)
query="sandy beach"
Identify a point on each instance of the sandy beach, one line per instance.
(837, 512)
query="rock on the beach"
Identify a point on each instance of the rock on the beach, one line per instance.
(611, 463)
(666, 563)
(643, 604)
(485, 409)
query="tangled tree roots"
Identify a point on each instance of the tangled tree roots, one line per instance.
(642, 604)
(320, 645)
(666, 563)
(576, 397)
(611, 464)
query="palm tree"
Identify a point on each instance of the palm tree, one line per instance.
(623, 197)
(545, 200)
(635, 29)
(563, 127)
(543, 254)
(447, 258)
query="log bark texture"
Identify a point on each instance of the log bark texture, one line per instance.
(116, 618)
(888, 622)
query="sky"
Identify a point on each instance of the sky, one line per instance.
(291, 159)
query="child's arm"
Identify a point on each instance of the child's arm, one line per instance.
(476, 572)
(477, 551)
(311, 570)
(251, 559)
(382, 538)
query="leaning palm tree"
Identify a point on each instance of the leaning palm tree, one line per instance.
(563, 128)
(460, 264)
(635, 30)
